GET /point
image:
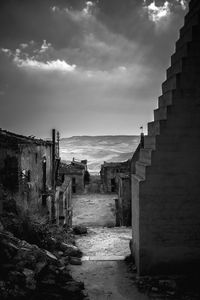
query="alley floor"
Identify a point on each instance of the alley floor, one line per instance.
(103, 270)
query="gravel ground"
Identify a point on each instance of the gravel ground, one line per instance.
(108, 279)
(96, 211)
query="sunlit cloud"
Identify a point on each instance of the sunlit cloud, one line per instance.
(156, 13)
(45, 46)
(183, 3)
(23, 45)
(88, 9)
(54, 65)
(6, 51)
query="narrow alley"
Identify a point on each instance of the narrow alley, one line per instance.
(103, 270)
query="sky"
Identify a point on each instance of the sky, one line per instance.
(84, 67)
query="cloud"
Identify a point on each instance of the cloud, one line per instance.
(7, 51)
(54, 65)
(73, 63)
(88, 9)
(45, 46)
(23, 45)
(183, 3)
(156, 13)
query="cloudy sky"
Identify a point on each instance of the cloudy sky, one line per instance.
(84, 67)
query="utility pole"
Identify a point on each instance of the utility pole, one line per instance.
(53, 215)
(58, 142)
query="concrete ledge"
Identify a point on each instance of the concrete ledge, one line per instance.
(103, 258)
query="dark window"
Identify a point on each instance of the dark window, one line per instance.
(113, 185)
(9, 174)
(73, 185)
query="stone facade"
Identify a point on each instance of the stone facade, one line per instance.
(123, 205)
(109, 171)
(76, 170)
(25, 168)
(28, 174)
(166, 184)
(63, 203)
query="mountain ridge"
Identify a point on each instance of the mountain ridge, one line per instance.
(97, 149)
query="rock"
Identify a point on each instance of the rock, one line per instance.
(64, 261)
(40, 266)
(71, 250)
(168, 283)
(73, 286)
(1, 226)
(80, 229)
(48, 281)
(75, 261)
(30, 281)
(50, 255)
(17, 278)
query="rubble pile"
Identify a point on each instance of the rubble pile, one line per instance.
(29, 271)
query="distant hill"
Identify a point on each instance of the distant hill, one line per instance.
(97, 149)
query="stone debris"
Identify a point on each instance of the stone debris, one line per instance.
(31, 272)
(75, 261)
(80, 229)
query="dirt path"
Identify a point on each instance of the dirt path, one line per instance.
(94, 210)
(103, 271)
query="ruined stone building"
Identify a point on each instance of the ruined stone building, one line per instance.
(76, 170)
(25, 168)
(28, 171)
(108, 173)
(166, 183)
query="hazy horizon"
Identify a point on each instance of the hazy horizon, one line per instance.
(97, 149)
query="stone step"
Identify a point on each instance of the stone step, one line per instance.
(171, 83)
(140, 169)
(193, 4)
(190, 49)
(182, 52)
(166, 99)
(191, 35)
(150, 142)
(145, 155)
(155, 127)
(161, 113)
(187, 29)
(175, 68)
(194, 9)
(136, 178)
(175, 97)
(187, 63)
(195, 20)
(183, 80)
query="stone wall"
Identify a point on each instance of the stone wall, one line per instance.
(63, 203)
(166, 186)
(124, 200)
(109, 171)
(21, 169)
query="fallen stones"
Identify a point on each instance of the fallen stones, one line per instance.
(30, 272)
(71, 250)
(80, 229)
(75, 261)
(30, 279)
